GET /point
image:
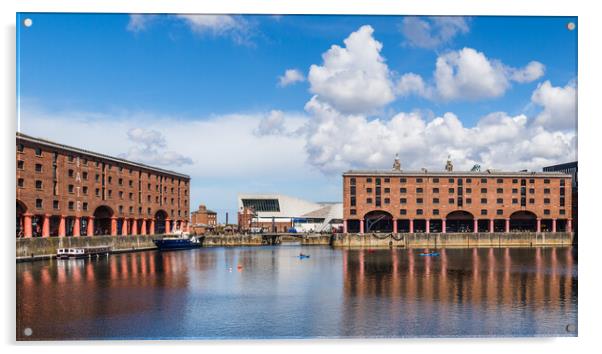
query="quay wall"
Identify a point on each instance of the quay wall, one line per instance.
(462, 240)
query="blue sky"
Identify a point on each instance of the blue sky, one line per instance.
(202, 95)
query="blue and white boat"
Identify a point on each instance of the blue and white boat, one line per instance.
(178, 242)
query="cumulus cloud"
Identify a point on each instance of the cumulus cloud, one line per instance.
(151, 148)
(219, 25)
(559, 105)
(290, 77)
(468, 74)
(432, 32)
(354, 78)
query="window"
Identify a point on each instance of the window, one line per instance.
(483, 200)
(435, 200)
(403, 190)
(70, 173)
(451, 190)
(352, 201)
(131, 196)
(546, 191)
(38, 152)
(368, 190)
(483, 211)
(38, 184)
(121, 209)
(120, 181)
(352, 190)
(451, 201)
(546, 211)
(20, 182)
(419, 212)
(514, 190)
(352, 181)
(378, 181)
(110, 193)
(20, 164)
(561, 201)
(84, 162)
(418, 200)
(500, 201)
(387, 180)
(403, 201)
(85, 175)
(148, 198)
(387, 190)
(500, 212)
(71, 205)
(500, 190)
(70, 158)
(120, 169)
(435, 211)
(531, 180)
(435, 180)
(531, 190)
(468, 190)
(435, 190)
(387, 201)
(85, 190)
(483, 180)
(418, 180)
(562, 183)
(419, 190)
(352, 212)
(110, 179)
(70, 188)
(402, 212)
(20, 147)
(85, 206)
(39, 203)
(483, 190)
(451, 180)
(97, 177)
(131, 209)
(369, 180)
(369, 200)
(562, 212)
(514, 201)
(546, 200)
(499, 180)
(38, 167)
(469, 180)
(546, 181)
(468, 200)
(55, 204)
(148, 186)
(515, 180)
(97, 192)
(120, 194)
(402, 180)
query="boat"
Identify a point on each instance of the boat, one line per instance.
(82, 252)
(302, 256)
(179, 242)
(431, 254)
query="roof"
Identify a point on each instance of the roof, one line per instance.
(490, 173)
(21, 136)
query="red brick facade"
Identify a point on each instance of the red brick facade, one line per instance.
(203, 220)
(65, 191)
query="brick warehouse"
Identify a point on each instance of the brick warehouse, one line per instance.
(447, 201)
(66, 191)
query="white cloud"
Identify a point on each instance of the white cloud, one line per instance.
(151, 148)
(353, 79)
(290, 77)
(139, 22)
(432, 32)
(559, 105)
(281, 124)
(469, 75)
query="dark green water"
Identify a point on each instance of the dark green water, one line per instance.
(335, 293)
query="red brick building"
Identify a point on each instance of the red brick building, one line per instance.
(66, 191)
(447, 201)
(203, 220)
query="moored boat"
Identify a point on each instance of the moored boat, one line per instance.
(82, 252)
(178, 242)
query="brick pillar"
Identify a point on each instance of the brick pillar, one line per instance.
(538, 225)
(167, 226)
(90, 230)
(143, 227)
(46, 226)
(443, 226)
(475, 226)
(507, 224)
(345, 226)
(569, 225)
(113, 226)
(77, 227)
(553, 225)
(124, 227)
(361, 226)
(134, 227)
(27, 225)
(62, 232)
(491, 223)
(152, 226)
(411, 226)
(428, 226)
(394, 226)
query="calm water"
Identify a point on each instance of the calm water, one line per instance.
(335, 293)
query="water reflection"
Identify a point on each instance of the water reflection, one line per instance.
(269, 292)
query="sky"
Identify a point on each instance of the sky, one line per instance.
(285, 104)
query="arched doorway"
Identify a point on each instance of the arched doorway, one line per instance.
(160, 217)
(523, 221)
(102, 220)
(459, 221)
(21, 209)
(378, 221)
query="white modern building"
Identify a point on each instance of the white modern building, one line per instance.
(277, 212)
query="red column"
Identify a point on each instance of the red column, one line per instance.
(491, 228)
(143, 227)
(77, 227)
(134, 227)
(345, 226)
(569, 225)
(124, 227)
(443, 226)
(27, 225)
(46, 226)
(475, 226)
(507, 225)
(90, 230)
(411, 226)
(62, 226)
(152, 226)
(167, 226)
(538, 225)
(113, 226)
(553, 225)
(428, 226)
(361, 226)
(394, 226)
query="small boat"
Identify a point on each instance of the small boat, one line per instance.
(82, 252)
(178, 243)
(302, 256)
(431, 254)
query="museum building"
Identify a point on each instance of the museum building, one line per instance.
(397, 201)
(67, 191)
